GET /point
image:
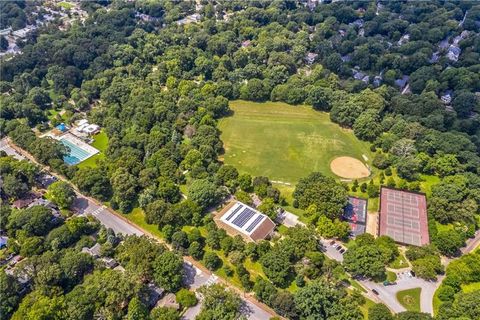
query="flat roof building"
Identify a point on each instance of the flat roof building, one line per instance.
(242, 219)
(403, 216)
(355, 213)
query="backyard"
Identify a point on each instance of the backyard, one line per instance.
(284, 142)
(100, 142)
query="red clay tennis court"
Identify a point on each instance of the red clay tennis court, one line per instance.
(403, 216)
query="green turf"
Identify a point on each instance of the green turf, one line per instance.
(436, 301)
(399, 262)
(357, 286)
(137, 216)
(66, 5)
(284, 142)
(391, 276)
(410, 299)
(100, 142)
(474, 286)
(364, 308)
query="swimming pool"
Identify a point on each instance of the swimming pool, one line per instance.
(76, 153)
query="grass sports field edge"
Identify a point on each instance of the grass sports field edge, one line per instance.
(285, 142)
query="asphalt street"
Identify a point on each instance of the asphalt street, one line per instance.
(84, 206)
(388, 294)
(4, 146)
(194, 277)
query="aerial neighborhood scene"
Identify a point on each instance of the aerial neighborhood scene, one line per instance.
(240, 159)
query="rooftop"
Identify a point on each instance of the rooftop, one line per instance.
(247, 221)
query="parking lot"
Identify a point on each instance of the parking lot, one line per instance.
(331, 251)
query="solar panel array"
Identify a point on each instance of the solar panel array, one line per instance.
(243, 218)
(254, 223)
(404, 217)
(230, 216)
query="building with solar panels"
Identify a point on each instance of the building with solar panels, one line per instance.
(239, 218)
(403, 216)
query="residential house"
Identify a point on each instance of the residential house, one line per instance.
(93, 251)
(454, 52)
(154, 295)
(169, 301)
(311, 57)
(447, 97)
(110, 263)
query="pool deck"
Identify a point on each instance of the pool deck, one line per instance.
(72, 139)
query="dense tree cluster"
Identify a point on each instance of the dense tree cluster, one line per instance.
(455, 302)
(158, 87)
(425, 261)
(367, 257)
(320, 195)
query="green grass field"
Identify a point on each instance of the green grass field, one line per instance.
(284, 142)
(100, 142)
(410, 299)
(66, 5)
(474, 286)
(399, 262)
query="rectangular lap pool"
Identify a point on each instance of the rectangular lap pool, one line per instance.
(78, 150)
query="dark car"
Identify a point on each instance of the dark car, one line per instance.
(375, 291)
(342, 251)
(332, 242)
(338, 248)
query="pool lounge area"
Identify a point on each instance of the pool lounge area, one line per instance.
(79, 150)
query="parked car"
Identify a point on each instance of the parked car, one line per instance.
(412, 273)
(338, 248)
(342, 251)
(332, 242)
(375, 292)
(388, 283)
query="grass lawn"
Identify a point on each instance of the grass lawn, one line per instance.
(292, 288)
(391, 276)
(364, 308)
(137, 216)
(357, 285)
(284, 142)
(444, 227)
(52, 113)
(399, 262)
(100, 142)
(410, 299)
(474, 286)
(436, 302)
(66, 5)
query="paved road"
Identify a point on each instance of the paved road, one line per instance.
(289, 219)
(330, 251)
(388, 294)
(195, 277)
(4, 146)
(472, 243)
(84, 206)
